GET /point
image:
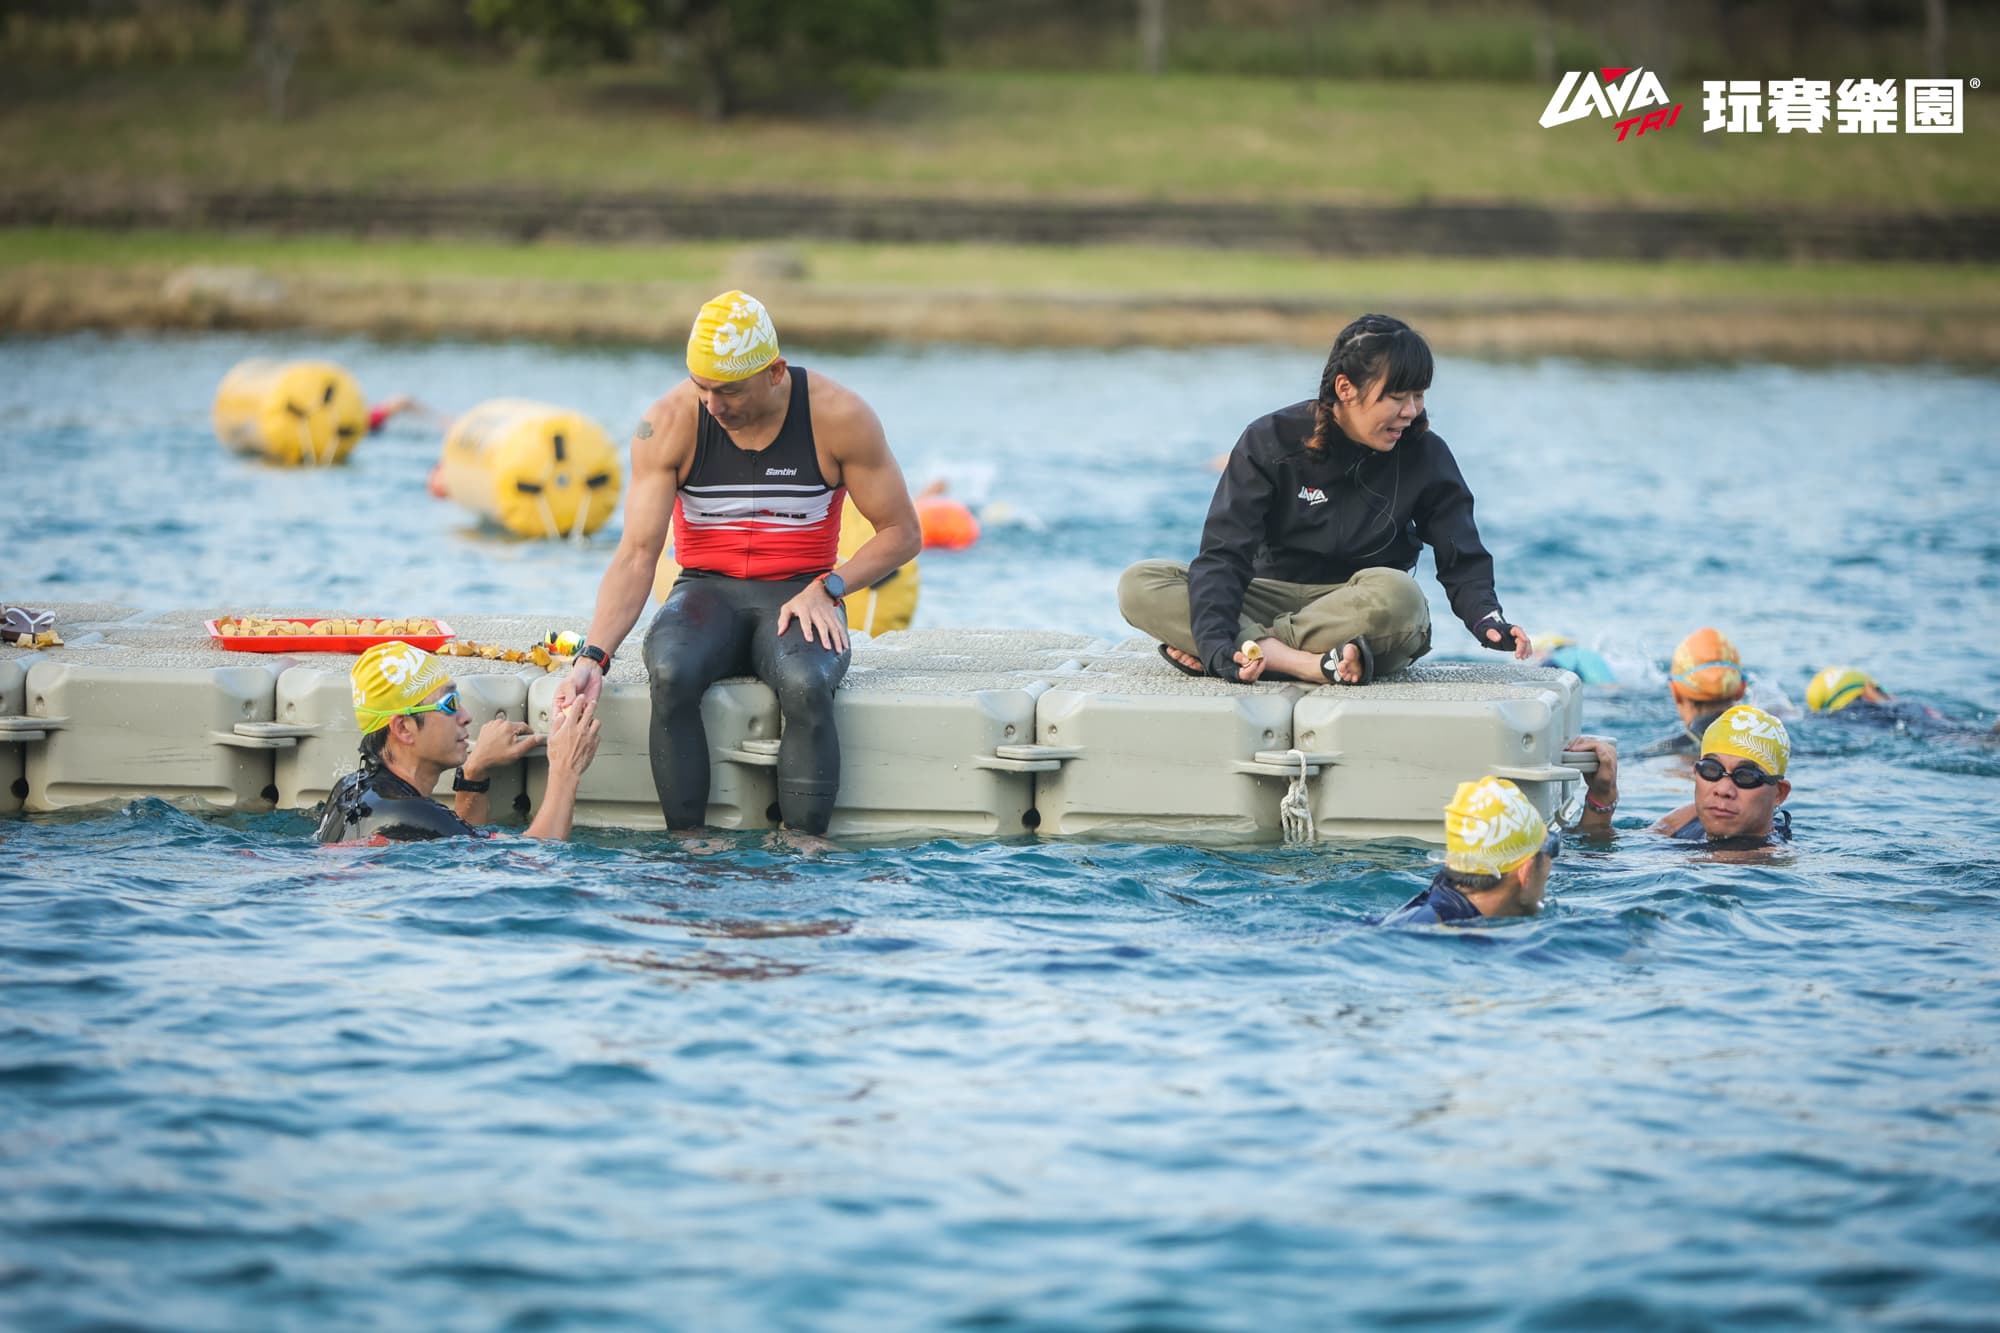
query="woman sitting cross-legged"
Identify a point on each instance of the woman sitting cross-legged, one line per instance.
(1323, 507)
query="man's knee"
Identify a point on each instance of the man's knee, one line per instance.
(676, 672)
(805, 682)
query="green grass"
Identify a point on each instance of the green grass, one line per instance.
(419, 123)
(1108, 271)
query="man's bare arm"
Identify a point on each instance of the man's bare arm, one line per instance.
(876, 487)
(657, 454)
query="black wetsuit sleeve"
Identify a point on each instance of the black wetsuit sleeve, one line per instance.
(1229, 541)
(356, 812)
(1444, 522)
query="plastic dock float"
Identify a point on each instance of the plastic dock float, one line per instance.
(963, 733)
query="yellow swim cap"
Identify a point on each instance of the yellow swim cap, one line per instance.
(391, 678)
(1490, 827)
(1835, 688)
(732, 339)
(1750, 733)
(1706, 668)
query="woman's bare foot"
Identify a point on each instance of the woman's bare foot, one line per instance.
(1188, 660)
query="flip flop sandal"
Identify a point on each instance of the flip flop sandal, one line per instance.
(1329, 665)
(1181, 667)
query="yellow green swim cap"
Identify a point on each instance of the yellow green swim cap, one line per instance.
(1490, 827)
(1835, 688)
(391, 678)
(732, 339)
(1750, 733)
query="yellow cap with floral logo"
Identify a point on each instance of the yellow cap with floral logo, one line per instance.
(732, 339)
(390, 679)
(1750, 733)
(1490, 827)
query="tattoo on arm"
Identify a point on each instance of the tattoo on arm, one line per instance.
(644, 430)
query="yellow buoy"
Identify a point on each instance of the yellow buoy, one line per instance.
(295, 413)
(890, 604)
(535, 469)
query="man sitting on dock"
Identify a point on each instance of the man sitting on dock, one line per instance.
(412, 730)
(1739, 783)
(748, 461)
(1498, 851)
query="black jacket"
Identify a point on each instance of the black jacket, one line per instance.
(1284, 512)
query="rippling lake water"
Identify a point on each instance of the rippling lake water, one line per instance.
(247, 1083)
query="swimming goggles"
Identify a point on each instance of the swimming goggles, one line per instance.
(1747, 777)
(447, 705)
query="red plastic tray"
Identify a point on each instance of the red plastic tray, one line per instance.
(324, 643)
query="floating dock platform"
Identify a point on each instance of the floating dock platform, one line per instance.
(965, 733)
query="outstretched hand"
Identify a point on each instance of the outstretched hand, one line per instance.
(1502, 637)
(573, 736)
(583, 681)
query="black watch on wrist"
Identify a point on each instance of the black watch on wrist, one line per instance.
(460, 782)
(590, 652)
(836, 586)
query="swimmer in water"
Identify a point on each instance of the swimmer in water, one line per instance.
(1855, 697)
(1705, 678)
(1566, 654)
(413, 728)
(1497, 859)
(1498, 851)
(1739, 783)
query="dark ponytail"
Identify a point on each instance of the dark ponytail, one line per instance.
(1372, 348)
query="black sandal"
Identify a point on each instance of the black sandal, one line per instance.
(1329, 665)
(1181, 667)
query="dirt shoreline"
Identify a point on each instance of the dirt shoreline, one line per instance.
(140, 298)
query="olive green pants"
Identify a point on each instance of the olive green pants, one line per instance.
(1383, 606)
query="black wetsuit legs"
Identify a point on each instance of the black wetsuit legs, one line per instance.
(714, 626)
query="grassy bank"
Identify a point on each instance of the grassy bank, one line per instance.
(54, 280)
(1118, 271)
(409, 120)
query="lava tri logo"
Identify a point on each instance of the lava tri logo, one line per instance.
(1612, 94)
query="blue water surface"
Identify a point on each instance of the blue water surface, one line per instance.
(247, 1083)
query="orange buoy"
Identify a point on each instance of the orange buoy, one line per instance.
(946, 523)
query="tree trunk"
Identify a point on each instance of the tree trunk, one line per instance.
(1152, 36)
(274, 49)
(1545, 42)
(717, 93)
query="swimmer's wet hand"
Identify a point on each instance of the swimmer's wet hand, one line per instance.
(500, 742)
(573, 737)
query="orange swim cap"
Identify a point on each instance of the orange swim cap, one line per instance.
(946, 523)
(1706, 669)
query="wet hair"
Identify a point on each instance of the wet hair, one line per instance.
(1372, 348)
(1468, 883)
(371, 747)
